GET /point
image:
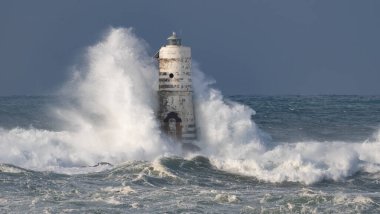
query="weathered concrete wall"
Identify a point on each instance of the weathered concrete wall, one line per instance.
(175, 93)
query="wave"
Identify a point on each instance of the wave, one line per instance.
(110, 117)
(8, 168)
(307, 162)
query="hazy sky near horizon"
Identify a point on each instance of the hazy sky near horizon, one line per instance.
(248, 46)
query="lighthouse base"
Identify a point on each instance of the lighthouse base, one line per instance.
(176, 116)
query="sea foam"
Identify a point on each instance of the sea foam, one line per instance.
(110, 117)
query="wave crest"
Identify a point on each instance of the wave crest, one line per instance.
(110, 117)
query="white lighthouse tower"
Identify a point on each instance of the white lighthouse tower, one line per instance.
(176, 113)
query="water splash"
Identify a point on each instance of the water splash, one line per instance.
(111, 118)
(114, 96)
(110, 115)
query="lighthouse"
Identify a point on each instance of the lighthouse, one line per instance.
(175, 92)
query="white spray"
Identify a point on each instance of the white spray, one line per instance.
(111, 118)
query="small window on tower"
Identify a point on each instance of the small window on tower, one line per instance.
(171, 75)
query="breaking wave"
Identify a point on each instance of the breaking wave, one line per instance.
(110, 117)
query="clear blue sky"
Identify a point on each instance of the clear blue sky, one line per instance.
(247, 46)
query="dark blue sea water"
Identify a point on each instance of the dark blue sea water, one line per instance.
(321, 156)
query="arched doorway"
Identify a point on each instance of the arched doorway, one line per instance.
(172, 125)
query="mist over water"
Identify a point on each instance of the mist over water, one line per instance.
(110, 117)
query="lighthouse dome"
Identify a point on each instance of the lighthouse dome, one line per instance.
(174, 40)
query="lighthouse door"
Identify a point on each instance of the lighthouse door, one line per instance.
(172, 128)
(172, 125)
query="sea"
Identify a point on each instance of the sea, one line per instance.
(337, 129)
(95, 146)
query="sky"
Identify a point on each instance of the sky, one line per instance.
(249, 47)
